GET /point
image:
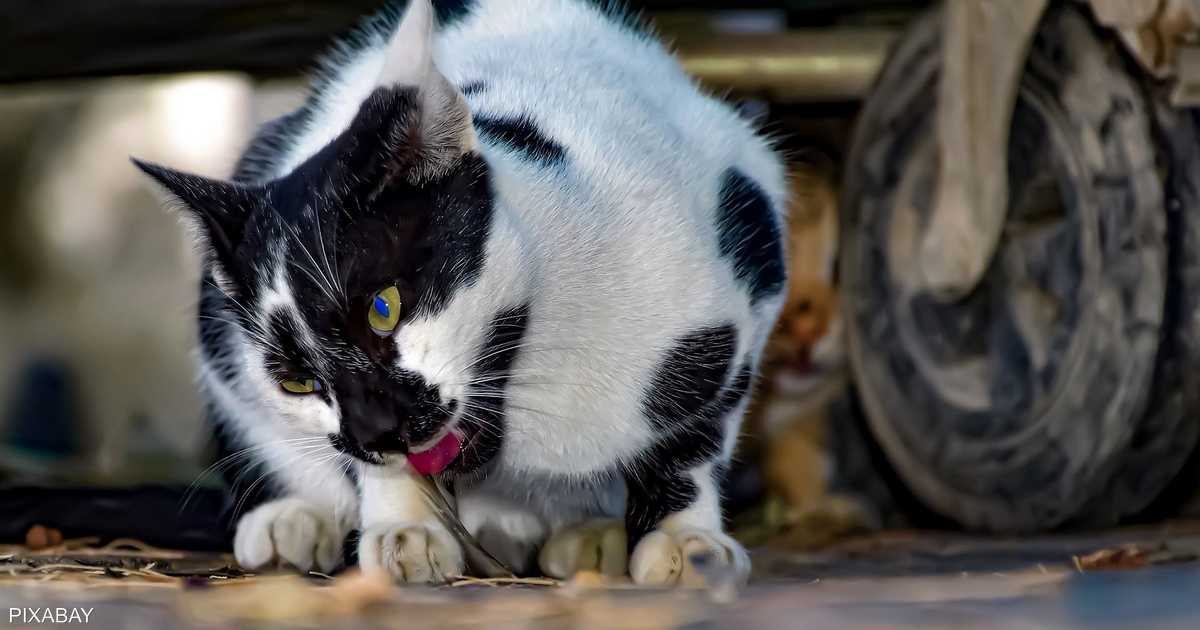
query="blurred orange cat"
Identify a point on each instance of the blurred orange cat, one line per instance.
(805, 368)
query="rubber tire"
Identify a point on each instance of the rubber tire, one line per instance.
(1170, 429)
(1036, 471)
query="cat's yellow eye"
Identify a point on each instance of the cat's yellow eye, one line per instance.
(383, 313)
(301, 386)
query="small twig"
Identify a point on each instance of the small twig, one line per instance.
(478, 558)
(64, 566)
(465, 580)
(75, 543)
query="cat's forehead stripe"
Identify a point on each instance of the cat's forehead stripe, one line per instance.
(285, 325)
(276, 295)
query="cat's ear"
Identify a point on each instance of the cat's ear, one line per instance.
(421, 117)
(409, 55)
(216, 212)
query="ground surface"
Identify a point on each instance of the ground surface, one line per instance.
(1145, 578)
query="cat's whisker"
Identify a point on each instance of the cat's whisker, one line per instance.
(270, 471)
(323, 283)
(486, 426)
(233, 458)
(330, 269)
(499, 350)
(541, 412)
(297, 451)
(252, 335)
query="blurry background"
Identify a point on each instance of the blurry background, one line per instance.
(97, 281)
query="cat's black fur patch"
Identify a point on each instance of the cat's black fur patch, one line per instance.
(658, 483)
(690, 375)
(343, 445)
(688, 402)
(485, 402)
(521, 135)
(451, 11)
(429, 242)
(348, 212)
(427, 415)
(750, 236)
(474, 87)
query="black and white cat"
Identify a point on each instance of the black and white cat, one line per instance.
(507, 242)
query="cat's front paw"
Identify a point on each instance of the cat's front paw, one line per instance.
(416, 553)
(599, 545)
(688, 557)
(288, 532)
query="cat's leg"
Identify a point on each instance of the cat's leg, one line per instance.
(687, 541)
(673, 513)
(291, 531)
(305, 526)
(561, 527)
(401, 533)
(599, 545)
(292, 512)
(509, 531)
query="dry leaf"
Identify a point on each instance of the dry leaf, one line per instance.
(1122, 559)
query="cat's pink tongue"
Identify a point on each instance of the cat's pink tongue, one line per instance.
(436, 458)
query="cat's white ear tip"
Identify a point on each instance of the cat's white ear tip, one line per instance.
(409, 52)
(418, 19)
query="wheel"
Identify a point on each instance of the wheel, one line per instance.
(1011, 409)
(1167, 435)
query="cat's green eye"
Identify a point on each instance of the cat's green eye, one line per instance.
(301, 386)
(383, 314)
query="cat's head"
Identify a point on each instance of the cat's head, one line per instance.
(355, 276)
(806, 347)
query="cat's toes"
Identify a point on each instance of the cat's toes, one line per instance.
(416, 553)
(688, 557)
(288, 532)
(600, 546)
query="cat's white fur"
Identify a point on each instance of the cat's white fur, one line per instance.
(617, 254)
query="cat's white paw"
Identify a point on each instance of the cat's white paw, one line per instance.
(416, 553)
(687, 556)
(288, 532)
(599, 545)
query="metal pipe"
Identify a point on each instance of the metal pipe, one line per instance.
(798, 66)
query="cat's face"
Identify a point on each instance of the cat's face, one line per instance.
(347, 277)
(806, 345)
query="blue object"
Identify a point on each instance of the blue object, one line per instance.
(381, 307)
(42, 418)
